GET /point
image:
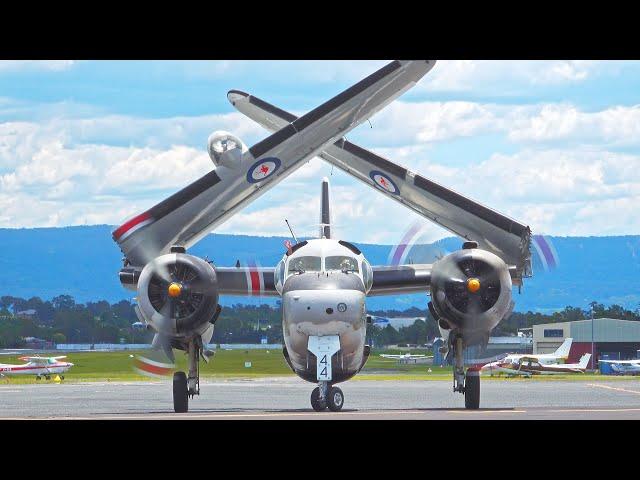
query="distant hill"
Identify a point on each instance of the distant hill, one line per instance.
(84, 262)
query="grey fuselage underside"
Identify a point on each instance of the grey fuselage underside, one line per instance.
(307, 299)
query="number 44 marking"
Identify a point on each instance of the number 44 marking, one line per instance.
(324, 348)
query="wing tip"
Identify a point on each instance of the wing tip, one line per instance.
(236, 96)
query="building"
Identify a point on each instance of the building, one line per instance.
(612, 337)
(37, 343)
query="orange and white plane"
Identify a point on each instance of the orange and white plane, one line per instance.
(38, 366)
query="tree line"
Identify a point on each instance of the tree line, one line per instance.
(63, 320)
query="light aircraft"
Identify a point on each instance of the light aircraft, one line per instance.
(323, 282)
(406, 357)
(624, 367)
(559, 356)
(528, 366)
(38, 366)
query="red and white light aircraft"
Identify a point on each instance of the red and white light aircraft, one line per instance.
(38, 366)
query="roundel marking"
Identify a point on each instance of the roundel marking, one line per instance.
(263, 169)
(384, 182)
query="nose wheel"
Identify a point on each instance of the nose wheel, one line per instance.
(325, 396)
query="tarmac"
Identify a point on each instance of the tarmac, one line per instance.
(288, 398)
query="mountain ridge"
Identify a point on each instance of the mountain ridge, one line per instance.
(83, 261)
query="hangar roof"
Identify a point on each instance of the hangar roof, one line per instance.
(604, 330)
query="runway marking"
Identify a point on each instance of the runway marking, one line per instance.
(598, 410)
(614, 388)
(475, 412)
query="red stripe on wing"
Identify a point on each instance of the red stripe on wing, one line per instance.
(125, 227)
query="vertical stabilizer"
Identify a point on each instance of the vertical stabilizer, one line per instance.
(563, 350)
(325, 213)
(584, 361)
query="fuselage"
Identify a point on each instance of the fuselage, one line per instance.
(323, 284)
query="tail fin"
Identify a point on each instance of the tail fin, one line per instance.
(584, 361)
(563, 350)
(325, 213)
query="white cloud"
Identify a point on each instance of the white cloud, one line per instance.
(477, 75)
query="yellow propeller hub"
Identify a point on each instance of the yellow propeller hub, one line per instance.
(174, 290)
(473, 285)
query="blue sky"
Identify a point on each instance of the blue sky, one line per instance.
(554, 144)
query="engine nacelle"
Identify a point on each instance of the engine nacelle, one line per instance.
(178, 294)
(470, 293)
(225, 149)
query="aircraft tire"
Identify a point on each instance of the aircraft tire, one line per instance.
(335, 400)
(317, 404)
(472, 391)
(180, 393)
(38, 377)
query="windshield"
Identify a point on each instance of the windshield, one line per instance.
(304, 264)
(341, 263)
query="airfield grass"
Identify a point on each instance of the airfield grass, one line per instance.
(226, 364)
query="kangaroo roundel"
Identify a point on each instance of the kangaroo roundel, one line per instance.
(263, 169)
(384, 182)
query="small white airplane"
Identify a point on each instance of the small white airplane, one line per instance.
(624, 367)
(406, 357)
(528, 366)
(38, 366)
(503, 365)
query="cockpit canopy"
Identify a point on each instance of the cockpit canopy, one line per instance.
(324, 255)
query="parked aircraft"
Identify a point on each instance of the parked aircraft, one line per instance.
(624, 367)
(405, 358)
(559, 356)
(38, 366)
(323, 282)
(528, 366)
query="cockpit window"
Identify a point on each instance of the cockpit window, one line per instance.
(341, 263)
(305, 264)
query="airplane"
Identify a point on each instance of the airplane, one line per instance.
(528, 366)
(560, 355)
(323, 282)
(624, 367)
(406, 357)
(38, 366)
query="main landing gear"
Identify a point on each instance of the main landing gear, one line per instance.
(185, 387)
(326, 396)
(469, 383)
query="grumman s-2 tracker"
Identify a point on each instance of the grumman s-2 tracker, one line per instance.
(323, 282)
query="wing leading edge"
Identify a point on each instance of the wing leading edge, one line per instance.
(495, 232)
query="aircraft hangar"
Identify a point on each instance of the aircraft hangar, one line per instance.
(618, 339)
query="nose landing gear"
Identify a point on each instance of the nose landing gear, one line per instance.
(326, 396)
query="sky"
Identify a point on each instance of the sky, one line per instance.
(553, 144)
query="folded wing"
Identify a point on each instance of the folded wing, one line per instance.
(185, 217)
(495, 232)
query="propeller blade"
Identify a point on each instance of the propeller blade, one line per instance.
(162, 343)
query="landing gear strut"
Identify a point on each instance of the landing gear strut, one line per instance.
(467, 383)
(326, 396)
(185, 387)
